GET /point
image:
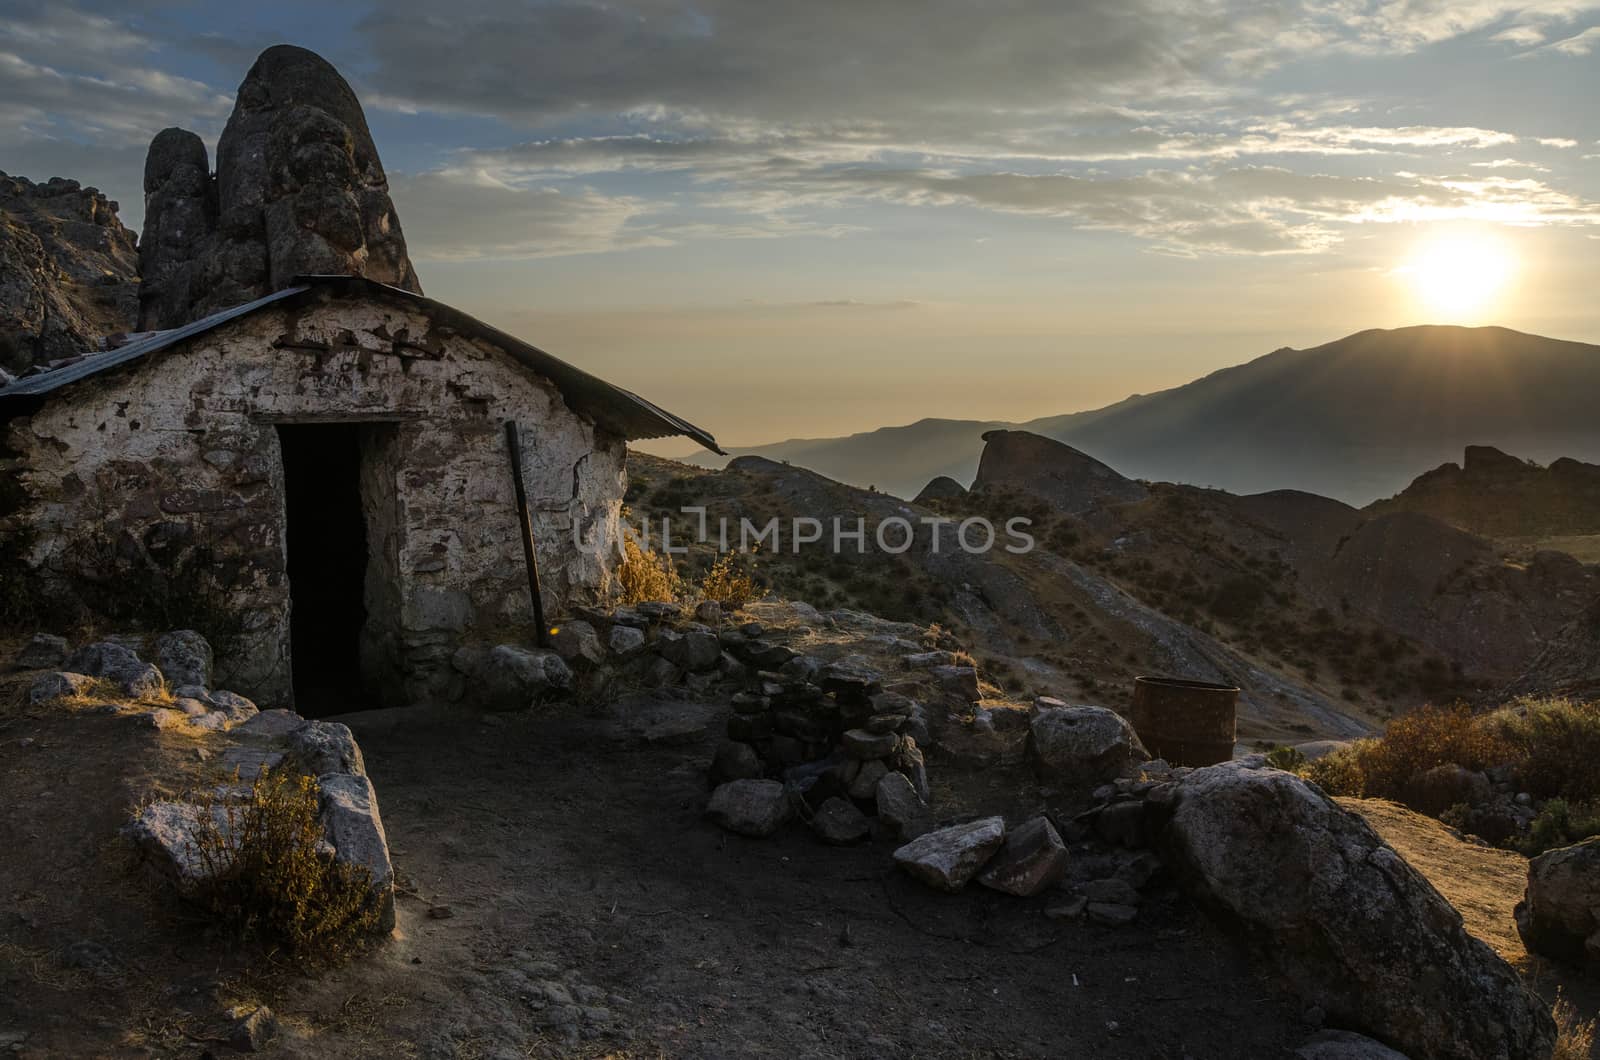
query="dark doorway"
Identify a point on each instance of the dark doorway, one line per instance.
(327, 543)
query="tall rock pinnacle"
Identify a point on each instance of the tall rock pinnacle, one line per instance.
(299, 188)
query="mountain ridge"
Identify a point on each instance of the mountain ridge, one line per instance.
(1351, 418)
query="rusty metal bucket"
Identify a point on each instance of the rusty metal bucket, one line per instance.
(1188, 723)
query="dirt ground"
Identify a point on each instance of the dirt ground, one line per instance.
(563, 858)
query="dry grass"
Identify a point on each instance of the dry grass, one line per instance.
(1576, 1035)
(646, 575)
(270, 878)
(728, 583)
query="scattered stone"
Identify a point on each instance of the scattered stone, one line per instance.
(752, 630)
(859, 743)
(750, 807)
(351, 821)
(515, 678)
(577, 640)
(141, 681)
(253, 1029)
(709, 612)
(1345, 1045)
(1559, 915)
(53, 686)
(734, 761)
(1111, 914)
(1113, 890)
(626, 641)
(1072, 907)
(622, 616)
(327, 747)
(105, 659)
(660, 673)
(864, 785)
(440, 912)
(1031, 859)
(749, 703)
(184, 657)
(1082, 746)
(656, 610)
(948, 858)
(840, 823)
(197, 692)
(44, 652)
(236, 707)
(880, 724)
(908, 760)
(928, 659)
(1359, 933)
(900, 808)
(192, 707)
(848, 681)
(272, 723)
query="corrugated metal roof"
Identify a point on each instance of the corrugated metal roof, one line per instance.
(617, 410)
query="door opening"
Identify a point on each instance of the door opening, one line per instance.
(326, 535)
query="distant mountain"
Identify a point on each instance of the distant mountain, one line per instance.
(1351, 419)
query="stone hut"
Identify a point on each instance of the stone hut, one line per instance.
(326, 473)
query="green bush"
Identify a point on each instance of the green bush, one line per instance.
(1558, 745)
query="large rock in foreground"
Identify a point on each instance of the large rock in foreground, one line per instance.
(754, 808)
(1559, 915)
(1082, 746)
(950, 857)
(1348, 924)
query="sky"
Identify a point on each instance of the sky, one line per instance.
(802, 220)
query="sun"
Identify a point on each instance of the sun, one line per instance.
(1459, 278)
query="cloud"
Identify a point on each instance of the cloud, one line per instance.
(1578, 44)
(69, 74)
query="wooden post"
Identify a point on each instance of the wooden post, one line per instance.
(529, 557)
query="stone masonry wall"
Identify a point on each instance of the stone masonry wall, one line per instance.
(134, 474)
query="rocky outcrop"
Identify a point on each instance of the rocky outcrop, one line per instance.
(1569, 663)
(1349, 926)
(1067, 480)
(69, 273)
(941, 488)
(1559, 915)
(299, 189)
(1495, 494)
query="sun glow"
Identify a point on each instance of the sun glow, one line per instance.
(1459, 278)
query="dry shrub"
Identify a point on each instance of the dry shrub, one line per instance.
(269, 875)
(727, 582)
(1558, 744)
(1575, 1038)
(646, 575)
(1411, 745)
(1341, 772)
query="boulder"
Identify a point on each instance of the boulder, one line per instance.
(1346, 923)
(1559, 915)
(899, 806)
(1344, 1045)
(735, 761)
(119, 665)
(47, 687)
(948, 858)
(864, 783)
(252, 1029)
(625, 641)
(577, 640)
(163, 833)
(1031, 859)
(709, 612)
(352, 824)
(755, 808)
(838, 822)
(44, 651)
(1078, 747)
(325, 747)
(514, 678)
(693, 651)
(1436, 790)
(864, 744)
(184, 657)
(850, 682)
